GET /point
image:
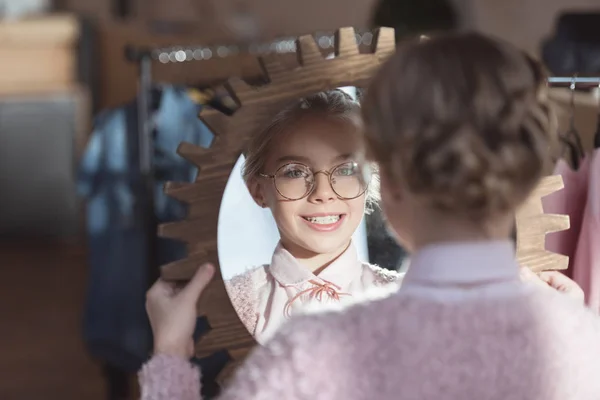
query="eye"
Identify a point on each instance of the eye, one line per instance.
(295, 172)
(346, 170)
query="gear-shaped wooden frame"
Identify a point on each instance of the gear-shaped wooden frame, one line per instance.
(349, 67)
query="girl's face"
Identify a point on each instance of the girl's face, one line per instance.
(321, 222)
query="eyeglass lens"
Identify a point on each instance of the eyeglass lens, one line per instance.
(295, 181)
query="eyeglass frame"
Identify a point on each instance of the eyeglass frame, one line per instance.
(327, 173)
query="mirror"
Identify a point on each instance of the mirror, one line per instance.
(299, 224)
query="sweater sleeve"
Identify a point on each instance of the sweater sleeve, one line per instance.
(278, 370)
(242, 294)
(385, 276)
(167, 377)
(281, 369)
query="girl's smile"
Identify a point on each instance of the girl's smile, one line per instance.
(324, 222)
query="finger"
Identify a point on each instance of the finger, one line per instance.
(530, 277)
(177, 286)
(161, 288)
(199, 281)
(556, 280)
(564, 284)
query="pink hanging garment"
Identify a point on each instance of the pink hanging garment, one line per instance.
(586, 266)
(568, 201)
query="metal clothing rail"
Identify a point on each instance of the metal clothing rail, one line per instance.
(574, 81)
(175, 54)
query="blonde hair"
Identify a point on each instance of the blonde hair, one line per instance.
(463, 121)
(331, 103)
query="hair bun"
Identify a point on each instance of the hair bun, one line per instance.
(471, 176)
(468, 127)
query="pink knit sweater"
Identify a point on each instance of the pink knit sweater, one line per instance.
(261, 296)
(462, 327)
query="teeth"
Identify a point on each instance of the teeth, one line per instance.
(330, 219)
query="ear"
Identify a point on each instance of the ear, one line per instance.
(256, 191)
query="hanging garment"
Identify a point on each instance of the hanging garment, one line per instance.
(568, 201)
(574, 48)
(586, 268)
(116, 330)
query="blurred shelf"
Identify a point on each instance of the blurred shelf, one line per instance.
(38, 53)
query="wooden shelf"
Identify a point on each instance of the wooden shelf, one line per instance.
(38, 53)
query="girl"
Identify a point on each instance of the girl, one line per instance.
(461, 128)
(306, 167)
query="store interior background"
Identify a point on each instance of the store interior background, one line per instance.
(42, 237)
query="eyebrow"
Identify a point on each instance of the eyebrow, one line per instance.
(307, 160)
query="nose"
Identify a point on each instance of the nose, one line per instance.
(322, 192)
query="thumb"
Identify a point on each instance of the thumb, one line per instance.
(199, 281)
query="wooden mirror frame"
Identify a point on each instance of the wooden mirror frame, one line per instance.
(349, 67)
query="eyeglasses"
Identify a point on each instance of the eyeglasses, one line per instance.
(295, 181)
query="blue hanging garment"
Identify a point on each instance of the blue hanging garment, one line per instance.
(115, 328)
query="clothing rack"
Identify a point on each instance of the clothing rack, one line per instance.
(117, 380)
(574, 81)
(176, 54)
(145, 205)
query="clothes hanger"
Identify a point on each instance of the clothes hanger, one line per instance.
(571, 138)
